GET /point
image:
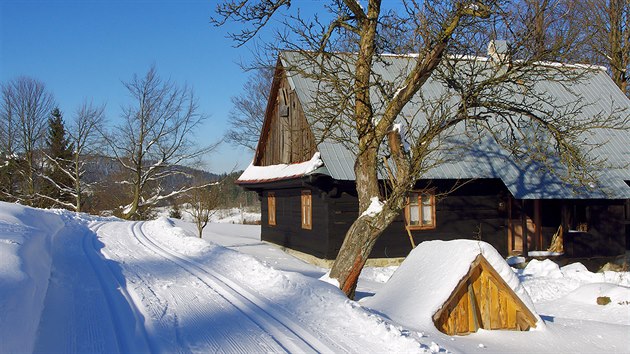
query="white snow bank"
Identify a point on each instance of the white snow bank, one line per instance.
(327, 279)
(224, 216)
(235, 216)
(515, 260)
(165, 232)
(378, 274)
(588, 294)
(545, 268)
(266, 173)
(545, 281)
(428, 276)
(25, 261)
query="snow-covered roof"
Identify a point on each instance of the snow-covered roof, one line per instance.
(430, 274)
(258, 174)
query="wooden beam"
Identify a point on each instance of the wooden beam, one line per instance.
(538, 225)
(510, 226)
(524, 231)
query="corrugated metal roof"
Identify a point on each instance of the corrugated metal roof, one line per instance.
(484, 158)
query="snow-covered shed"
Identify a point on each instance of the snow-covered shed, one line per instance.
(457, 286)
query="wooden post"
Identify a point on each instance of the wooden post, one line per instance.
(524, 232)
(538, 225)
(510, 231)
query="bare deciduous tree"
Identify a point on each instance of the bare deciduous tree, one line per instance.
(478, 98)
(549, 28)
(607, 25)
(156, 135)
(8, 141)
(26, 105)
(202, 204)
(248, 111)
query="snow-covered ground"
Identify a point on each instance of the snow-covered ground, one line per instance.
(77, 283)
(223, 216)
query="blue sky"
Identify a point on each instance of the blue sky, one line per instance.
(85, 49)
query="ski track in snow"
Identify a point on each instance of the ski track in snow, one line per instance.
(188, 307)
(176, 320)
(69, 323)
(288, 334)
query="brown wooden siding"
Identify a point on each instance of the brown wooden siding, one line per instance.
(478, 210)
(288, 230)
(606, 233)
(470, 212)
(286, 137)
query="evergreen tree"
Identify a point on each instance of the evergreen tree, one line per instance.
(10, 165)
(59, 152)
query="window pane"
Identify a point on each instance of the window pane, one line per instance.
(427, 214)
(426, 200)
(413, 198)
(414, 215)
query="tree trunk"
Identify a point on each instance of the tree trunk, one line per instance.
(77, 183)
(133, 209)
(615, 37)
(200, 230)
(356, 248)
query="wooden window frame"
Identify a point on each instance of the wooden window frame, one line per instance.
(306, 207)
(420, 194)
(271, 209)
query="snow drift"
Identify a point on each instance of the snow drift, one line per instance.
(26, 235)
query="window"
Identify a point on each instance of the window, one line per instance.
(420, 211)
(271, 209)
(307, 210)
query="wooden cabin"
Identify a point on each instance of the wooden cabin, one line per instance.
(305, 181)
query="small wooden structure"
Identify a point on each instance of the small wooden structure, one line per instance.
(482, 299)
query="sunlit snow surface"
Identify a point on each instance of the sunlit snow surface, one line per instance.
(82, 284)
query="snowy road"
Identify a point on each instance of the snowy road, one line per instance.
(84, 310)
(120, 287)
(288, 334)
(186, 306)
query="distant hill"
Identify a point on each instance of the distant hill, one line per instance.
(103, 168)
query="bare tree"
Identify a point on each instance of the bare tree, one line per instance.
(248, 111)
(202, 204)
(8, 141)
(550, 28)
(85, 137)
(156, 135)
(607, 24)
(26, 105)
(477, 98)
(85, 141)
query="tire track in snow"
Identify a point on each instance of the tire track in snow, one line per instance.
(287, 333)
